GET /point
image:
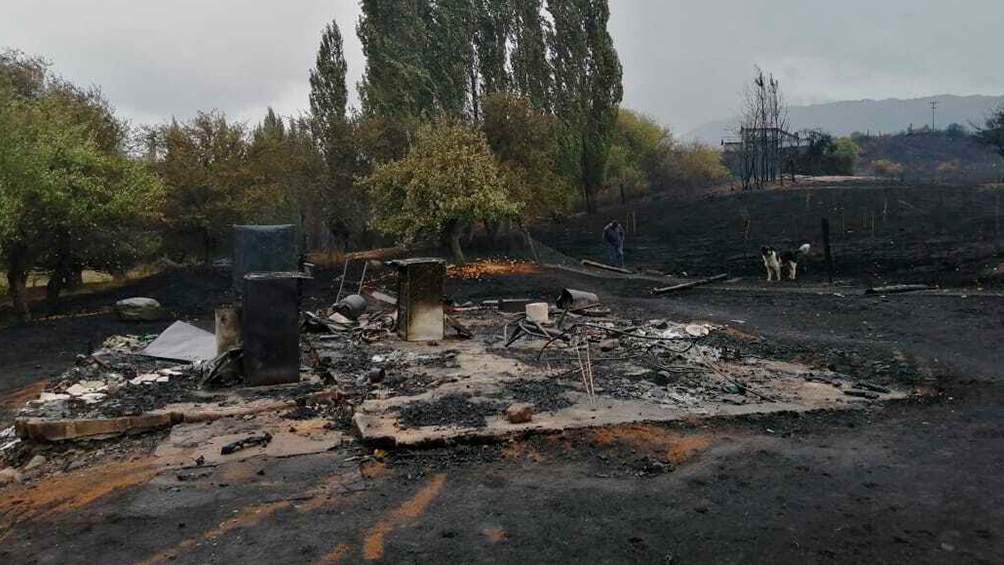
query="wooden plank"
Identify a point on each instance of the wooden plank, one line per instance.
(898, 289)
(603, 266)
(690, 284)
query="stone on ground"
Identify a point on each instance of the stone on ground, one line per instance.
(519, 413)
(138, 309)
(36, 462)
(9, 475)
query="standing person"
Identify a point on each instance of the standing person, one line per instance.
(614, 235)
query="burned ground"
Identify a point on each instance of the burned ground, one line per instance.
(899, 233)
(912, 481)
(546, 396)
(450, 410)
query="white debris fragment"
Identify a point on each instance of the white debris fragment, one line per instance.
(8, 438)
(86, 387)
(92, 397)
(6, 445)
(52, 397)
(138, 308)
(697, 330)
(672, 333)
(145, 379)
(378, 359)
(170, 373)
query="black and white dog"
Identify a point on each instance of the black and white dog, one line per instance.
(774, 261)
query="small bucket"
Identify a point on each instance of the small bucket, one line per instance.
(537, 312)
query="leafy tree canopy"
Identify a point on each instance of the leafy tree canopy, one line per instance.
(448, 179)
(67, 192)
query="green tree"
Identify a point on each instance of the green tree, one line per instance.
(992, 132)
(211, 185)
(491, 40)
(382, 138)
(694, 165)
(450, 59)
(604, 92)
(283, 160)
(624, 174)
(68, 196)
(955, 132)
(328, 94)
(639, 148)
(844, 156)
(448, 179)
(334, 207)
(646, 142)
(531, 71)
(395, 40)
(587, 89)
(523, 139)
(644, 156)
(886, 168)
(568, 51)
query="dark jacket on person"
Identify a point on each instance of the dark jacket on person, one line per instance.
(614, 234)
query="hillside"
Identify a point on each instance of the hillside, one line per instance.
(876, 116)
(928, 155)
(880, 233)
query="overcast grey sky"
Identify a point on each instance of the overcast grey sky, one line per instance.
(685, 62)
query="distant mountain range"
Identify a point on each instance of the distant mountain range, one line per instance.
(876, 116)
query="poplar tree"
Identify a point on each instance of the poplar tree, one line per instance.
(531, 71)
(587, 89)
(451, 56)
(494, 25)
(395, 40)
(328, 94)
(603, 91)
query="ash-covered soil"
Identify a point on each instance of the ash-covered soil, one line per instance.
(880, 233)
(916, 481)
(545, 395)
(449, 410)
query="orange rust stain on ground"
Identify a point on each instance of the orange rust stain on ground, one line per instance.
(74, 490)
(692, 421)
(521, 451)
(926, 390)
(739, 334)
(240, 472)
(412, 508)
(16, 399)
(248, 517)
(687, 447)
(372, 469)
(495, 535)
(330, 484)
(336, 554)
(676, 447)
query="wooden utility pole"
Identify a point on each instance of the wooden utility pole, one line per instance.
(826, 248)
